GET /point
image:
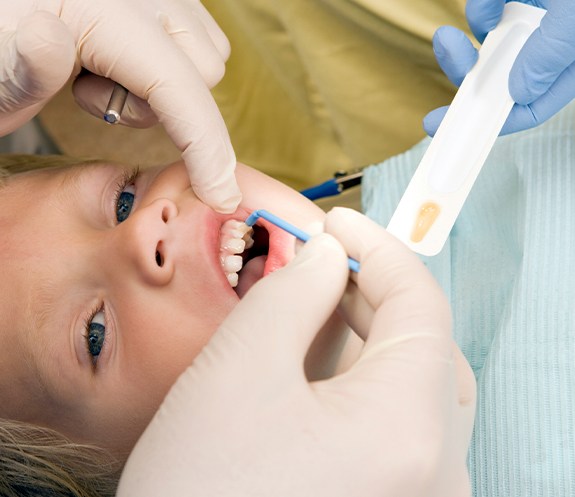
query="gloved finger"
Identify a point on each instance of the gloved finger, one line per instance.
(433, 119)
(281, 314)
(37, 60)
(546, 54)
(409, 342)
(356, 310)
(454, 52)
(522, 117)
(392, 278)
(192, 119)
(218, 37)
(466, 385)
(92, 93)
(178, 95)
(483, 16)
(353, 308)
(547, 105)
(194, 40)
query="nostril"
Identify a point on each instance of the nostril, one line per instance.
(159, 260)
(159, 256)
(165, 214)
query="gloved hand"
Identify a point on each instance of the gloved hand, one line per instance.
(167, 54)
(542, 80)
(243, 420)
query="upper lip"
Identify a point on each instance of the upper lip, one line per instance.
(198, 240)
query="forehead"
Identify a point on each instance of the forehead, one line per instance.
(27, 201)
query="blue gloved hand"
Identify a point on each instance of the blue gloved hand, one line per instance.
(542, 80)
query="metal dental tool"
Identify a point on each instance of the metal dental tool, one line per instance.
(116, 104)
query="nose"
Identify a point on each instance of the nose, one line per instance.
(144, 239)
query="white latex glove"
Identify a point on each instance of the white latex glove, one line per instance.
(166, 52)
(243, 420)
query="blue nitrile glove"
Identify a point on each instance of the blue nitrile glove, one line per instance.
(542, 80)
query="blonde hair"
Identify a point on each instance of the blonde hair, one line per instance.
(21, 163)
(37, 461)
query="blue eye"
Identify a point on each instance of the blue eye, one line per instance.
(125, 196)
(96, 334)
(124, 205)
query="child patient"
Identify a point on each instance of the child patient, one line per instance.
(112, 281)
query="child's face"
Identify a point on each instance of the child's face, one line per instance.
(99, 317)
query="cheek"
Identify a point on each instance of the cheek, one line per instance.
(154, 347)
(164, 337)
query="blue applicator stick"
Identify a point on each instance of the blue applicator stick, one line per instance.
(290, 228)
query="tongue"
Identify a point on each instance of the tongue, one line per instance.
(252, 271)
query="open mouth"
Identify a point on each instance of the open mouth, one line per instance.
(243, 254)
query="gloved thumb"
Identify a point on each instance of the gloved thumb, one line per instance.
(278, 318)
(37, 60)
(454, 53)
(456, 56)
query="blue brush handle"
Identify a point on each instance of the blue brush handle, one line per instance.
(290, 228)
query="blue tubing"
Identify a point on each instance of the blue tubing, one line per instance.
(328, 188)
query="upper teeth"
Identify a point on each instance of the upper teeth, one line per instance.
(235, 237)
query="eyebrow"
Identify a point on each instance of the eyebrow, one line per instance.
(43, 300)
(71, 180)
(38, 309)
(97, 176)
(37, 163)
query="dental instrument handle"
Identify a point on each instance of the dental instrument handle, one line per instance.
(290, 228)
(116, 104)
(441, 183)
